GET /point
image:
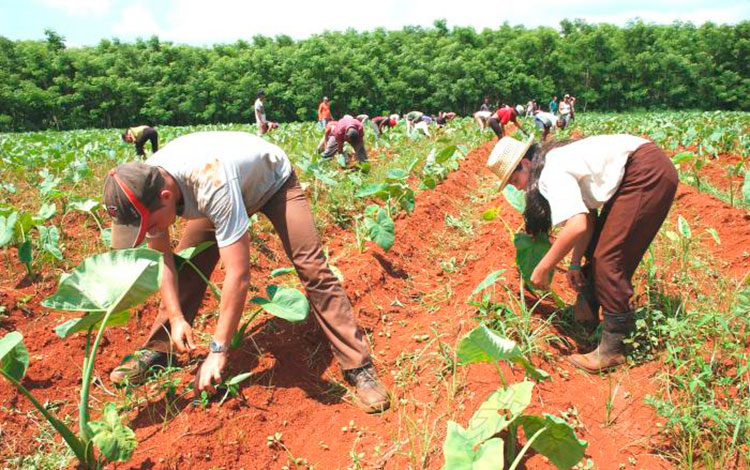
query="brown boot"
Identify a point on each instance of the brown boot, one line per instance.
(372, 394)
(610, 352)
(135, 367)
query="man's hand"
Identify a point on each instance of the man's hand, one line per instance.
(209, 373)
(540, 277)
(576, 279)
(182, 335)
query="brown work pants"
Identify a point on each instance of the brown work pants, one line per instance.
(628, 223)
(290, 215)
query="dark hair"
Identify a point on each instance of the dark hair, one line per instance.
(537, 216)
(124, 135)
(261, 93)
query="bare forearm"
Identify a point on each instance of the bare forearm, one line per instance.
(233, 296)
(569, 237)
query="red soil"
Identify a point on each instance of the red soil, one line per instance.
(295, 389)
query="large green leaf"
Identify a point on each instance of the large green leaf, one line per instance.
(47, 211)
(49, 239)
(516, 197)
(189, 253)
(284, 302)
(683, 226)
(558, 442)
(24, 252)
(112, 281)
(499, 410)
(485, 345)
(372, 190)
(381, 230)
(14, 358)
(84, 205)
(459, 453)
(529, 252)
(491, 279)
(445, 154)
(114, 440)
(91, 320)
(6, 228)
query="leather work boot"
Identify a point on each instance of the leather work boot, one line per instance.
(135, 366)
(371, 393)
(610, 352)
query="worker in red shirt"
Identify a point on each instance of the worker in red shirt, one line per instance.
(503, 116)
(346, 129)
(324, 112)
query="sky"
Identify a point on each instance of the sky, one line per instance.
(207, 22)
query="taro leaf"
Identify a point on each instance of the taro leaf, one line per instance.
(6, 228)
(558, 442)
(49, 238)
(372, 190)
(746, 187)
(714, 234)
(491, 279)
(396, 174)
(239, 378)
(499, 410)
(114, 440)
(407, 201)
(683, 157)
(46, 212)
(372, 210)
(459, 454)
(14, 358)
(112, 281)
(445, 154)
(529, 252)
(490, 214)
(91, 320)
(84, 205)
(281, 271)
(485, 345)
(190, 253)
(24, 252)
(515, 197)
(284, 302)
(381, 230)
(683, 226)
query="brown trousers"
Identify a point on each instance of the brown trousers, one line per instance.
(628, 224)
(290, 215)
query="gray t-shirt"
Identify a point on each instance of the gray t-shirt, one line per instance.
(224, 176)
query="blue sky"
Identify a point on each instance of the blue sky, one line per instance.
(205, 22)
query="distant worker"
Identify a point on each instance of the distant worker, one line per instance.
(485, 105)
(572, 108)
(502, 117)
(482, 118)
(423, 125)
(346, 129)
(324, 112)
(553, 105)
(565, 111)
(139, 135)
(379, 123)
(412, 118)
(260, 113)
(443, 117)
(520, 109)
(545, 122)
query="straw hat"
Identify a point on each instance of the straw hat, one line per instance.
(506, 155)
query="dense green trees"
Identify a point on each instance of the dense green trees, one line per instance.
(43, 84)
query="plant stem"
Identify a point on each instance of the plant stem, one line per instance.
(83, 407)
(525, 448)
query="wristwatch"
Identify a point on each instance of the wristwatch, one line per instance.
(215, 347)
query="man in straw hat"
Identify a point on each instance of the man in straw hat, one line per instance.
(611, 193)
(216, 180)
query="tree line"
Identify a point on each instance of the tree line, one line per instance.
(44, 84)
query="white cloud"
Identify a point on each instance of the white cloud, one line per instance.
(217, 21)
(80, 7)
(137, 20)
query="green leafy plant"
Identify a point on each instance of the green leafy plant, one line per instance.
(480, 445)
(282, 302)
(378, 227)
(105, 287)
